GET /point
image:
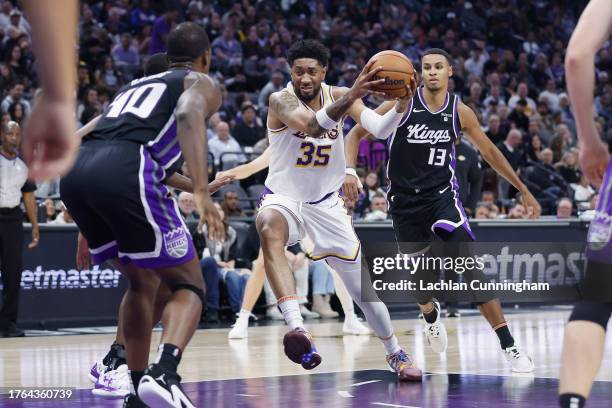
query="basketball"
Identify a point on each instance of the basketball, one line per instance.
(397, 72)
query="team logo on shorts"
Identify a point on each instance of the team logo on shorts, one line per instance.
(600, 231)
(176, 242)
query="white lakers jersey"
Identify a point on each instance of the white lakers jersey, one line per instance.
(303, 168)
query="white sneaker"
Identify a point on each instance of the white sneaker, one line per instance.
(307, 314)
(240, 329)
(352, 325)
(114, 383)
(96, 371)
(274, 314)
(519, 361)
(435, 332)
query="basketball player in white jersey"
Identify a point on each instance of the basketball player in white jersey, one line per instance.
(307, 169)
(585, 334)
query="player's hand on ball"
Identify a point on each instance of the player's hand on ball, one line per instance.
(351, 187)
(49, 146)
(209, 216)
(531, 204)
(594, 158)
(221, 179)
(82, 253)
(365, 82)
(402, 103)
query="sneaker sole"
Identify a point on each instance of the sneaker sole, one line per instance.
(100, 392)
(298, 348)
(154, 395)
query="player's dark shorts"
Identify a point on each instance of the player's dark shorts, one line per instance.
(417, 215)
(115, 194)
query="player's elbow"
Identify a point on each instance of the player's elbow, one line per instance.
(187, 117)
(575, 58)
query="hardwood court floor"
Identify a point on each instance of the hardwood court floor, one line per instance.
(473, 354)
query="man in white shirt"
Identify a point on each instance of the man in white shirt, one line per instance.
(550, 95)
(522, 90)
(225, 143)
(475, 64)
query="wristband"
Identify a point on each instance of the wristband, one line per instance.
(351, 171)
(324, 120)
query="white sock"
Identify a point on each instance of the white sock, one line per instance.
(290, 309)
(391, 345)
(243, 316)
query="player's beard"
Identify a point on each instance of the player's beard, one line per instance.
(307, 98)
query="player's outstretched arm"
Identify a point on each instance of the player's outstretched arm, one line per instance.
(183, 183)
(248, 169)
(286, 108)
(352, 186)
(87, 128)
(195, 105)
(592, 30)
(49, 146)
(495, 158)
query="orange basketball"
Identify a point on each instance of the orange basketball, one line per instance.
(397, 72)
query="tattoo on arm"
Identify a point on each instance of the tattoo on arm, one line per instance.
(283, 105)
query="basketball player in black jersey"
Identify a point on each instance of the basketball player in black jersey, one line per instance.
(423, 193)
(116, 195)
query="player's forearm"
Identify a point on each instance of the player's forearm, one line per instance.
(381, 126)
(248, 169)
(351, 145)
(180, 182)
(335, 112)
(54, 33)
(29, 201)
(87, 128)
(191, 134)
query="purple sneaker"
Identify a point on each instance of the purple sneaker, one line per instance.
(401, 364)
(96, 371)
(113, 383)
(300, 348)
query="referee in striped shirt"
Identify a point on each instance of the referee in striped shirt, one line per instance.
(13, 186)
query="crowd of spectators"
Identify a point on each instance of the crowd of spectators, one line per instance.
(507, 59)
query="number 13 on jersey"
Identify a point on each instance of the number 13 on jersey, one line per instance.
(437, 157)
(315, 156)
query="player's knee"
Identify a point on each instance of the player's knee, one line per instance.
(271, 233)
(199, 292)
(595, 312)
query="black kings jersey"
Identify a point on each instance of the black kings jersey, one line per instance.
(422, 149)
(143, 112)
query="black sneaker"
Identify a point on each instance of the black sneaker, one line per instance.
(161, 388)
(132, 401)
(12, 331)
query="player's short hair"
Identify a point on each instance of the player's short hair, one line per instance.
(156, 64)
(308, 49)
(438, 51)
(187, 42)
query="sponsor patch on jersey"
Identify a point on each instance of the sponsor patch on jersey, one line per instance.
(600, 231)
(176, 242)
(421, 133)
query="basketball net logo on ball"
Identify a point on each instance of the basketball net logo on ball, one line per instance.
(397, 71)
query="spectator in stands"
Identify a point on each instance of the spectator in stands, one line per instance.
(17, 112)
(50, 210)
(187, 207)
(583, 190)
(522, 92)
(475, 64)
(218, 265)
(371, 185)
(161, 28)
(18, 24)
(550, 95)
(564, 208)
(231, 204)
(142, 15)
(108, 76)
(89, 104)
(511, 148)
(274, 85)
(249, 131)
(16, 95)
(49, 188)
(468, 174)
(222, 143)
(63, 217)
(568, 168)
(5, 14)
(567, 116)
(494, 131)
(126, 58)
(322, 289)
(378, 208)
(517, 212)
(227, 51)
(482, 212)
(534, 149)
(545, 177)
(559, 145)
(518, 115)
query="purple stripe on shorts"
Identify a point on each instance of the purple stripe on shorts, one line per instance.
(151, 194)
(103, 256)
(169, 155)
(165, 140)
